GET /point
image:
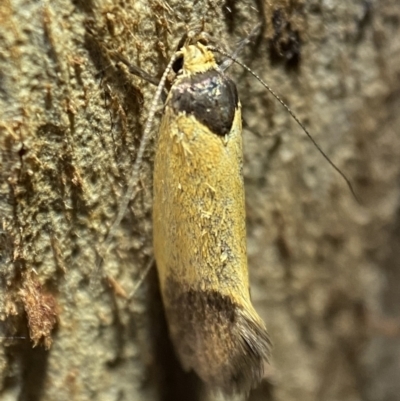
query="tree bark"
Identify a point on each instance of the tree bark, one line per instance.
(324, 268)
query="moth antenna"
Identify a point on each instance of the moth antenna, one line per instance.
(12, 338)
(133, 180)
(142, 277)
(293, 116)
(243, 43)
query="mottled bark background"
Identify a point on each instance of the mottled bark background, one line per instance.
(325, 270)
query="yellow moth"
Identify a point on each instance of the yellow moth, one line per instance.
(199, 231)
(199, 227)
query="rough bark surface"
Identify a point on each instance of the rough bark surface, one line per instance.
(324, 269)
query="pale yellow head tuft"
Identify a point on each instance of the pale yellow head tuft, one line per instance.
(197, 58)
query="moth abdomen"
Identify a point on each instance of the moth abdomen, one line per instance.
(223, 341)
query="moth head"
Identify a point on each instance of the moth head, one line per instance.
(193, 54)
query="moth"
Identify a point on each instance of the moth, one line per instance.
(199, 229)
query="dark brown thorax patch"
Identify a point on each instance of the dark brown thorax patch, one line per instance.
(210, 97)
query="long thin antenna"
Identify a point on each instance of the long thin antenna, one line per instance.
(141, 278)
(292, 114)
(243, 43)
(133, 180)
(12, 338)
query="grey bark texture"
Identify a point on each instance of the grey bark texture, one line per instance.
(324, 269)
